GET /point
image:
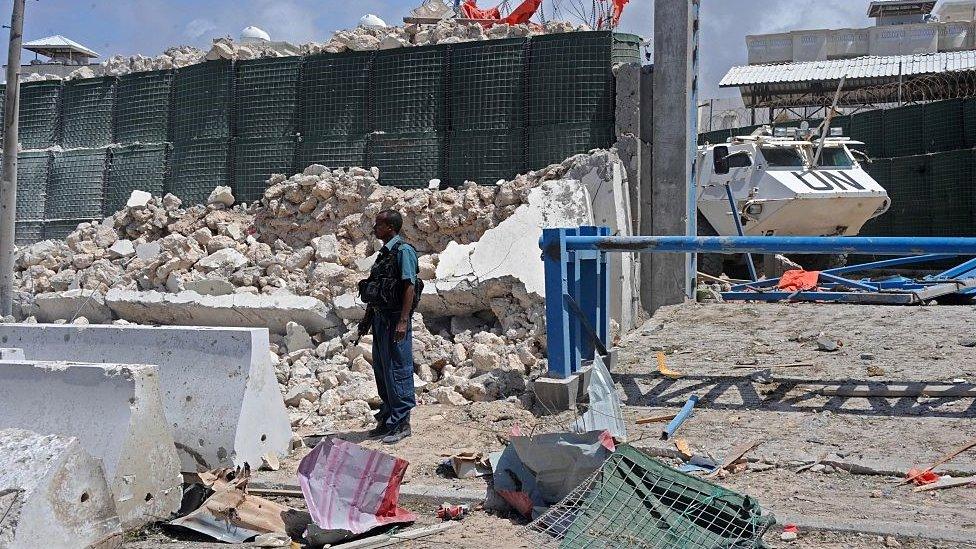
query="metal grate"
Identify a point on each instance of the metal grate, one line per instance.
(485, 156)
(969, 121)
(135, 167)
(553, 143)
(266, 102)
(339, 151)
(636, 501)
(942, 128)
(58, 229)
(202, 96)
(142, 107)
(880, 171)
(334, 94)
(87, 112)
(33, 170)
(408, 89)
(949, 194)
(906, 187)
(197, 167)
(570, 78)
(28, 232)
(255, 159)
(488, 85)
(39, 117)
(903, 131)
(76, 186)
(406, 160)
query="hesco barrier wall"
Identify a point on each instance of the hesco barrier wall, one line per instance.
(479, 111)
(923, 155)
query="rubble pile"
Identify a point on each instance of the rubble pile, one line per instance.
(310, 235)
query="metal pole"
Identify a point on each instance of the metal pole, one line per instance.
(8, 185)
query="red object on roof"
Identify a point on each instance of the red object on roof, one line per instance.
(471, 10)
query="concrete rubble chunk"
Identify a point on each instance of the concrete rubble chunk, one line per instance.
(219, 392)
(138, 199)
(221, 195)
(272, 311)
(54, 494)
(121, 249)
(210, 286)
(227, 258)
(118, 418)
(349, 307)
(297, 338)
(71, 304)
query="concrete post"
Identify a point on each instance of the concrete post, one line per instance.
(8, 186)
(643, 217)
(675, 114)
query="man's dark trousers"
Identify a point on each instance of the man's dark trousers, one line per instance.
(393, 368)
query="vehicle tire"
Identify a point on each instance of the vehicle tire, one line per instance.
(820, 262)
(710, 264)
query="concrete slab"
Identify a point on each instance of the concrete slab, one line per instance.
(189, 308)
(54, 494)
(116, 413)
(218, 386)
(71, 304)
(556, 395)
(11, 354)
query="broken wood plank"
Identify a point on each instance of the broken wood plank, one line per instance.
(735, 455)
(385, 540)
(900, 390)
(944, 459)
(656, 419)
(280, 492)
(946, 483)
(789, 365)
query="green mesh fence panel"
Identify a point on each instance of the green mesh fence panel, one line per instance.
(142, 107)
(196, 167)
(553, 143)
(33, 171)
(488, 85)
(868, 127)
(949, 193)
(58, 229)
(202, 97)
(907, 188)
(903, 131)
(76, 186)
(485, 156)
(407, 160)
(636, 501)
(135, 167)
(87, 112)
(255, 159)
(880, 171)
(942, 128)
(266, 102)
(969, 121)
(39, 117)
(625, 48)
(334, 93)
(570, 78)
(28, 232)
(408, 89)
(334, 151)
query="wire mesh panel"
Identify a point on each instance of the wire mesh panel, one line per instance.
(87, 112)
(202, 96)
(76, 186)
(949, 186)
(488, 84)
(408, 89)
(907, 188)
(135, 167)
(255, 159)
(636, 501)
(33, 170)
(266, 96)
(969, 121)
(142, 107)
(625, 48)
(942, 127)
(868, 127)
(406, 160)
(903, 131)
(58, 229)
(880, 171)
(553, 143)
(334, 151)
(28, 232)
(334, 93)
(485, 156)
(570, 78)
(39, 114)
(196, 167)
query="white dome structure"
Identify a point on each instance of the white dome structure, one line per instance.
(370, 20)
(254, 34)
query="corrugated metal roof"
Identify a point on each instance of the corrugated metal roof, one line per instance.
(57, 42)
(859, 67)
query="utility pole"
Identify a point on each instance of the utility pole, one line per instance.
(8, 185)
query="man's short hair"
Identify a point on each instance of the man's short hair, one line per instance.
(393, 218)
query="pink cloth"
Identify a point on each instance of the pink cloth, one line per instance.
(799, 280)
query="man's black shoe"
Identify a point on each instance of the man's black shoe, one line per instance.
(397, 434)
(379, 431)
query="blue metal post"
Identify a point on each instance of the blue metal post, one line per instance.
(602, 325)
(738, 229)
(588, 292)
(555, 259)
(776, 244)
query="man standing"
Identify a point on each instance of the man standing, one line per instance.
(389, 294)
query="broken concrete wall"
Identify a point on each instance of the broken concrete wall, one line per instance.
(219, 392)
(116, 413)
(53, 494)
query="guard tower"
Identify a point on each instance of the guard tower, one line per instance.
(60, 51)
(900, 12)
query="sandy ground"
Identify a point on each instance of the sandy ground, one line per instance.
(722, 352)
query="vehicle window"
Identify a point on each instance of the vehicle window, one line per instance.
(739, 161)
(787, 157)
(835, 157)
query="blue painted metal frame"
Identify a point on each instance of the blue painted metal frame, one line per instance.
(738, 229)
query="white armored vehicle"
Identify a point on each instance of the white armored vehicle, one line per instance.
(788, 184)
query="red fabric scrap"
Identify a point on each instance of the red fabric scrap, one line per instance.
(471, 10)
(799, 280)
(524, 12)
(922, 477)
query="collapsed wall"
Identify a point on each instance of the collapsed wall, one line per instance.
(479, 332)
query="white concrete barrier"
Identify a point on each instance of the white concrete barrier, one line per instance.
(220, 395)
(53, 494)
(115, 412)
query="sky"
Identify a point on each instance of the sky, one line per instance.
(148, 27)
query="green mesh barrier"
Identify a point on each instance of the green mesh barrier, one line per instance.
(570, 78)
(334, 151)
(256, 159)
(135, 167)
(553, 143)
(942, 128)
(406, 160)
(202, 98)
(903, 131)
(87, 112)
(39, 119)
(408, 89)
(335, 93)
(142, 107)
(33, 170)
(196, 167)
(28, 232)
(488, 85)
(485, 156)
(75, 188)
(266, 102)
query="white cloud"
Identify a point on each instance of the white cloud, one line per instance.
(199, 28)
